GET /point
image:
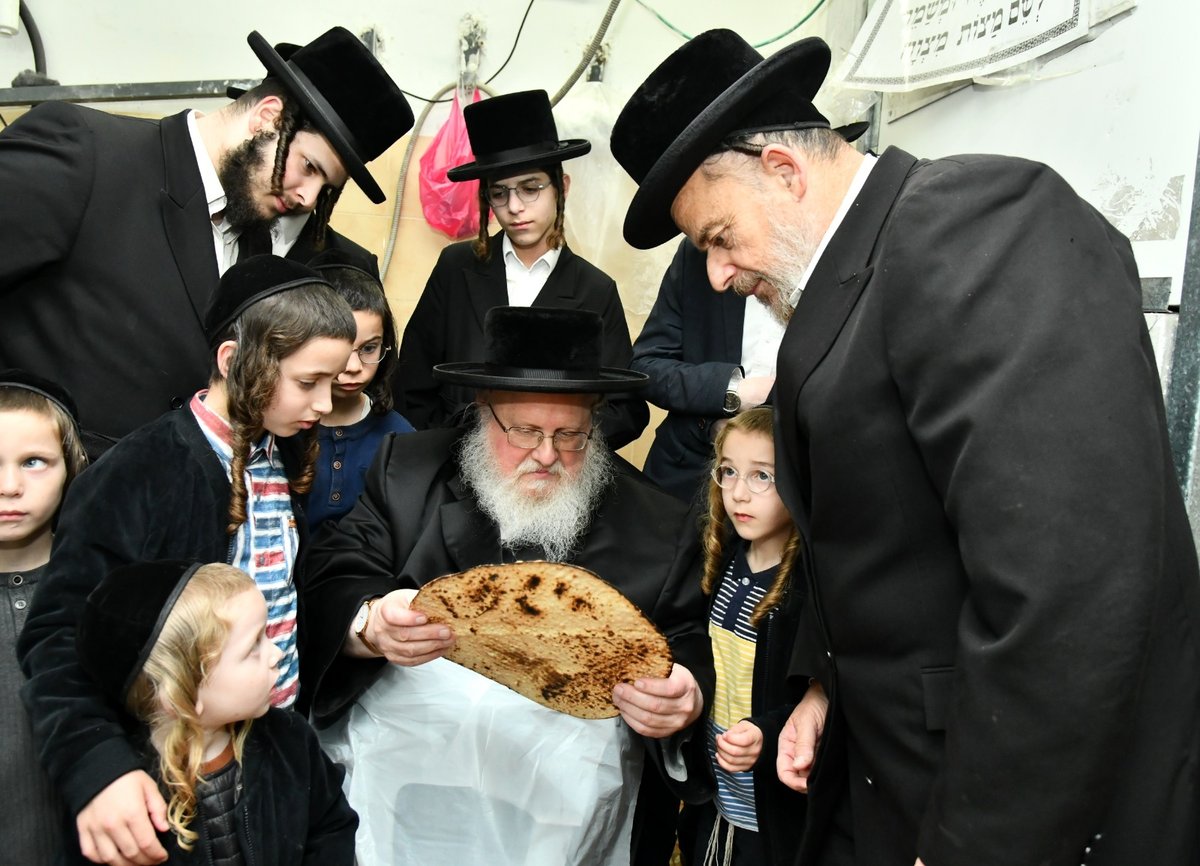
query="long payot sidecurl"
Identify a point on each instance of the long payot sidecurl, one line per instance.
(716, 530)
(265, 334)
(166, 692)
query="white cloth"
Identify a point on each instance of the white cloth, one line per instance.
(761, 335)
(447, 767)
(524, 283)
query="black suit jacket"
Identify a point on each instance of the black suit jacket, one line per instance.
(1004, 591)
(108, 261)
(447, 325)
(689, 347)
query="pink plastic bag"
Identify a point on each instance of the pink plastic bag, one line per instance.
(451, 208)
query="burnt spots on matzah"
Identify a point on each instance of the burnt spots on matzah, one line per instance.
(526, 607)
(485, 595)
(578, 604)
(560, 588)
(555, 686)
(533, 583)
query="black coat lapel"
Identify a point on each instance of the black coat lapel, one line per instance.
(562, 284)
(470, 537)
(185, 215)
(487, 285)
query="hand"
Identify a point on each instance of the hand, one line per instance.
(754, 390)
(799, 738)
(656, 707)
(118, 825)
(739, 747)
(404, 636)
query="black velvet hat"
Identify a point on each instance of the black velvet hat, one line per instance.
(123, 617)
(52, 391)
(344, 258)
(713, 87)
(346, 94)
(247, 283)
(513, 132)
(541, 349)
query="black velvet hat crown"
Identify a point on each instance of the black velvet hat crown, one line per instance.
(347, 95)
(335, 257)
(52, 391)
(513, 132)
(123, 618)
(711, 88)
(248, 282)
(541, 349)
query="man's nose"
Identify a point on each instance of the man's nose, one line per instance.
(720, 271)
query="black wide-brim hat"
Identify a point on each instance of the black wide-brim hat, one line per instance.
(52, 391)
(123, 617)
(248, 282)
(541, 349)
(513, 132)
(347, 95)
(712, 87)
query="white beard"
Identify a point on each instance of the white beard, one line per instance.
(554, 514)
(792, 249)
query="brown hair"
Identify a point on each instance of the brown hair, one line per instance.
(16, 399)
(167, 688)
(716, 531)
(482, 245)
(287, 124)
(266, 333)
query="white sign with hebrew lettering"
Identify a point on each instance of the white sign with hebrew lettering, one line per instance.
(908, 44)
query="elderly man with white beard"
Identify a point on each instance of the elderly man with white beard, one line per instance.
(446, 766)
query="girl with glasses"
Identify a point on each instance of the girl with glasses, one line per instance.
(362, 412)
(756, 595)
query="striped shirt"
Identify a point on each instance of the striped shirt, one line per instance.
(734, 642)
(265, 545)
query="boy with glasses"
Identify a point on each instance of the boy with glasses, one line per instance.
(518, 162)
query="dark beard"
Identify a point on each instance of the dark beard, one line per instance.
(237, 172)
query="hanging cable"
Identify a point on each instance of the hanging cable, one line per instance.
(788, 32)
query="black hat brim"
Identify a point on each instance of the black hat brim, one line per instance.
(478, 170)
(648, 222)
(476, 375)
(317, 109)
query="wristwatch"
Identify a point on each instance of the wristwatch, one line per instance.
(359, 626)
(733, 402)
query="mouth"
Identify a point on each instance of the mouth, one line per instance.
(281, 205)
(12, 516)
(742, 517)
(306, 425)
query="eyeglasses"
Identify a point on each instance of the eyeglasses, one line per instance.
(757, 480)
(372, 353)
(528, 438)
(527, 191)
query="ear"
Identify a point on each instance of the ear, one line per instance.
(265, 114)
(225, 353)
(566, 184)
(787, 167)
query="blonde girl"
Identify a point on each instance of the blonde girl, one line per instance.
(752, 556)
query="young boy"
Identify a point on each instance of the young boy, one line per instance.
(209, 483)
(518, 159)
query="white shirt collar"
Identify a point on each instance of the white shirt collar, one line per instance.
(511, 259)
(214, 193)
(856, 185)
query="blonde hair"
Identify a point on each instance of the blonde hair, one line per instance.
(167, 688)
(14, 398)
(716, 531)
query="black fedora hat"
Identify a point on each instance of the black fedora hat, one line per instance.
(123, 617)
(712, 87)
(52, 391)
(346, 94)
(512, 132)
(542, 349)
(247, 283)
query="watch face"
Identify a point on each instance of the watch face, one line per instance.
(360, 618)
(733, 402)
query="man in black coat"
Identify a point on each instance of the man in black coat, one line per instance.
(1003, 583)
(527, 479)
(116, 229)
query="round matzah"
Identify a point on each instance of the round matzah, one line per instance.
(557, 634)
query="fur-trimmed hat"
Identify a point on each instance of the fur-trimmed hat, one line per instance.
(52, 391)
(712, 88)
(123, 617)
(511, 133)
(542, 349)
(247, 283)
(347, 95)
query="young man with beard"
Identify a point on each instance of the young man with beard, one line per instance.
(525, 479)
(117, 229)
(1002, 663)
